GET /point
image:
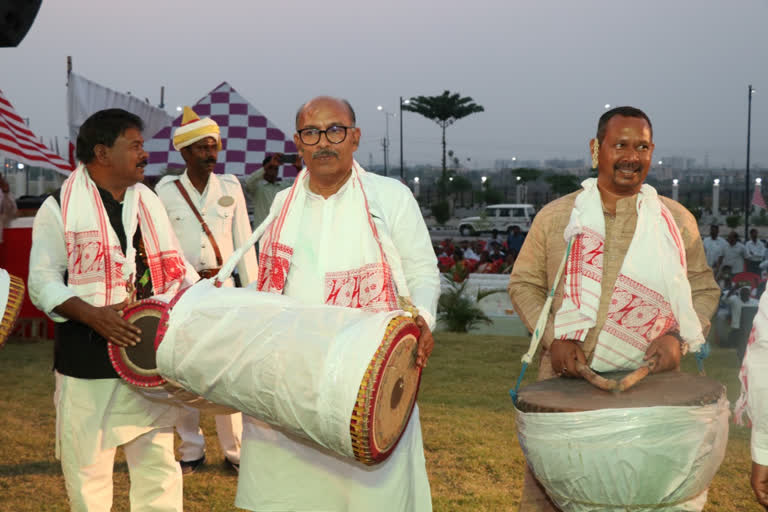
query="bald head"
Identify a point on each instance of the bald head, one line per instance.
(324, 101)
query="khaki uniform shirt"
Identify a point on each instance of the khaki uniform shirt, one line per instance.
(534, 272)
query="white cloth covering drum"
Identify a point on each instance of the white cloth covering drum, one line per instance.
(608, 459)
(293, 365)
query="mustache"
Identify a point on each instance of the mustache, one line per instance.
(627, 166)
(209, 160)
(143, 163)
(324, 152)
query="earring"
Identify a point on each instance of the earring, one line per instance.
(595, 151)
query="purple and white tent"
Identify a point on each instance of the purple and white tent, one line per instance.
(247, 136)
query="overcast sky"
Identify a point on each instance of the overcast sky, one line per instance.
(543, 69)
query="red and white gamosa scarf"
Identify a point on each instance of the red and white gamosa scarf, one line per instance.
(652, 294)
(357, 274)
(98, 270)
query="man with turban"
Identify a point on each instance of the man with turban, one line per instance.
(209, 216)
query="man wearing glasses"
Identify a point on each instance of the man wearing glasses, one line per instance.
(340, 228)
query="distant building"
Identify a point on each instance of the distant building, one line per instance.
(563, 163)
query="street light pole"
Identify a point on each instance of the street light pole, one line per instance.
(402, 172)
(386, 139)
(746, 194)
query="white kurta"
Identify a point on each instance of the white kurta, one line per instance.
(228, 222)
(282, 472)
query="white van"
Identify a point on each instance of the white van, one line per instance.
(499, 218)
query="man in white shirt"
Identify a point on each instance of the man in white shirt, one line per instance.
(734, 253)
(340, 227)
(209, 216)
(754, 252)
(714, 248)
(100, 242)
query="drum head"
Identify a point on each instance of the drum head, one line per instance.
(660, 389)
(387, 394)
(137, 364)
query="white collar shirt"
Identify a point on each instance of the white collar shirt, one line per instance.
(222, 206)
(734, 257)
(714, 249)
(755, 251)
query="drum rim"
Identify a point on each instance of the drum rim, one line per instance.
(116, 352)
(14, 303)
(362, 428)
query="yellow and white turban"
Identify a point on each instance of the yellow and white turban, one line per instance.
(193, 129)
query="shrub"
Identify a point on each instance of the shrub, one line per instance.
(458, 311)
(733, 221)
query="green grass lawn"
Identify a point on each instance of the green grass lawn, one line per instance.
(473, 458)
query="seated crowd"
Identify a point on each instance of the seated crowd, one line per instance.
(491, 256)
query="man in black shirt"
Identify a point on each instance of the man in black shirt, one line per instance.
(100, 242)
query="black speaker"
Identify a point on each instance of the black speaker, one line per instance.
(16, 17)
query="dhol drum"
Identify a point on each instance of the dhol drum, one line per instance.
(11, 298)
(343, 378)
(137, 364)
(654, 447)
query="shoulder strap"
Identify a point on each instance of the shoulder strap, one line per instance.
(207, 230)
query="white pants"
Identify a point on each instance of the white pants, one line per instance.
(156, 483)
(229, 428)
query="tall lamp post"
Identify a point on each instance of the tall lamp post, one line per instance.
(750, 91)
(406, 101)
(386, 139)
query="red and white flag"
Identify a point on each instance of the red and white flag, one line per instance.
(758, 200)
(18, 141)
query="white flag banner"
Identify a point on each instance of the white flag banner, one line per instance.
(85, 98)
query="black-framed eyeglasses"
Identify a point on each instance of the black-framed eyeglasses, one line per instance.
(335, 134)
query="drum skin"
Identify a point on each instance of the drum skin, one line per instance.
(387, 394)
(659, 389)
(137, 364)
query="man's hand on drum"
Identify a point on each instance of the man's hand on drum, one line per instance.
(663, 354)
(565, 355)
(760, 483)
(108, 321)
(426, 342)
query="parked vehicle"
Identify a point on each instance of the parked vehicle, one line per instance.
(499, 218)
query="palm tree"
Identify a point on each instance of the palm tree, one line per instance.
(445, 110)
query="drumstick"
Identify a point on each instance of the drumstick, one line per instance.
(615, 385)
(231, 263)
(595, 379)
(633, 378)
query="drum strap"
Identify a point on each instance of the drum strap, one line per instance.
(207, 230)
(541, 324)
